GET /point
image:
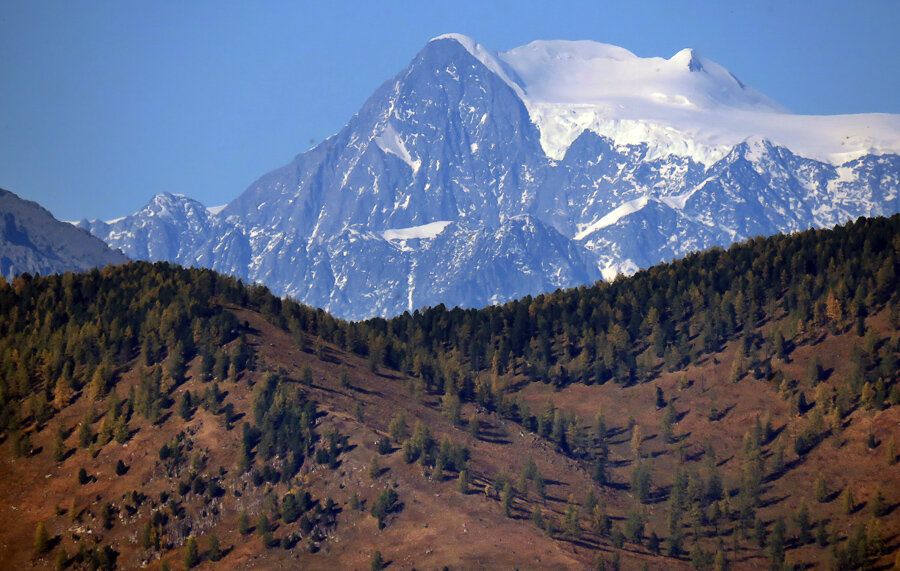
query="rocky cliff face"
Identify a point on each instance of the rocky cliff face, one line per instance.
(33, 241)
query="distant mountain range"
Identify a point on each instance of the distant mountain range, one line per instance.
(473, 178)
(33, 241)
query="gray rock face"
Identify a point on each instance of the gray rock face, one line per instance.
(33, 241)
(438, 191)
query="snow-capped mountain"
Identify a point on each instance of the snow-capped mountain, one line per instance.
(171, 227)
(33, 241)
(473, 177)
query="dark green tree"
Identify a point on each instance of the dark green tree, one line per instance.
(41, 539)
(377, 563)
(384, 504)
(191, 553)
(214, 551)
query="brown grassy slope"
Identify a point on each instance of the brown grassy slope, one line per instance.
(844, 460)
(439, 526)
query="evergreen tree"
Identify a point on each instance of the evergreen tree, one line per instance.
(185, 405)
(877, 505)
(41, 539)
(262, 524)
(634, 527)
(637, 437)
(215, 551)
(821, 490)
(506, 499)
(377, 561)
(848, 505)
(62, 559)
(463, 481)
(776, 543)
(804, 525)
(85, 434)
(640, 483)
(290, 508)
(374, 468)
(571, 524)
(191, 553)
(244, 523)
(383, 505)
(59, 445)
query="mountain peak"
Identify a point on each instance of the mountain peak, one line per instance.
(464, 40)
(688, 58)
(32, 240)
(488, 58)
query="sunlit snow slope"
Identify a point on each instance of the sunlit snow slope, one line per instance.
(685, 105)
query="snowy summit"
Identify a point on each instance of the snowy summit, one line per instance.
(686, 105)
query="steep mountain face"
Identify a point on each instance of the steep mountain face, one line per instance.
(473, 178)
(171, 227)
(33, 241)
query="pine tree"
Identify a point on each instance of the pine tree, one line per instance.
(59, 445)
(244, 523)
(634, 527)
(821, 490)
(775, 543)
(262, 524)
(637, 438)
(62, 559)
(184, 405)
(640, 483)
(97, 386)
(463, 481)
(41, 539)
(877, 504)
(506, 499)
(600, 521)
(374, 468)
(804, 525)
(377, 561)
(571, 523)
(848, 505)
(147, 535)
(215, 551)
(62, 392)
(191, 553)
(306, 376)
(383, 505)
(290, 508)
(85, 435)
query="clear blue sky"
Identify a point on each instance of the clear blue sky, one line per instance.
(104, 104)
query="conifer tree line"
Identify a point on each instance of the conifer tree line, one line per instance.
(67, 336)
(667, 316)
(62, 334)
(661, 319)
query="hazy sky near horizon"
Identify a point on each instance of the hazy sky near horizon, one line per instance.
(105, 103)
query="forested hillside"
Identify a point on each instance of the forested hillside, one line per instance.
(737, 408)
